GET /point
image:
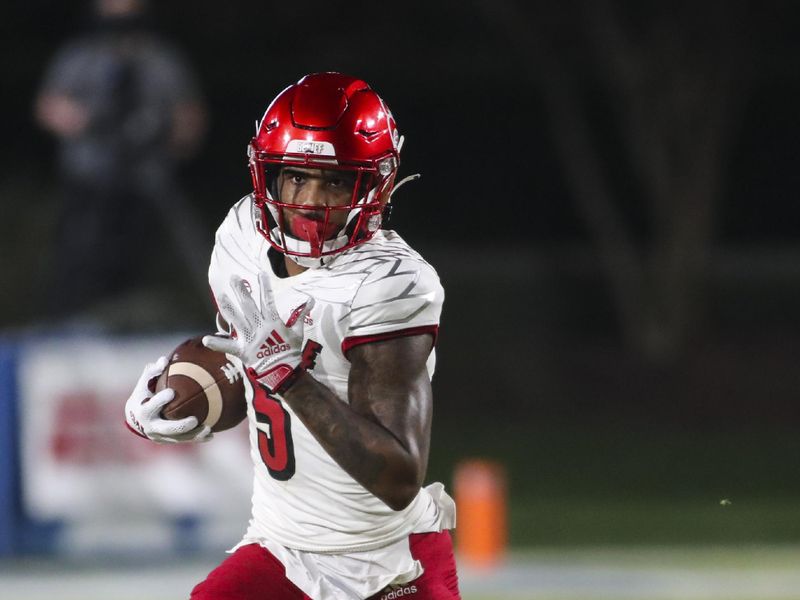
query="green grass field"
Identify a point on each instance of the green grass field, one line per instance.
(584, 486)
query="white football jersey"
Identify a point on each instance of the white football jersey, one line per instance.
(302, 498)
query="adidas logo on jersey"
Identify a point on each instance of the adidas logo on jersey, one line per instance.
(274, 345)
(400, 592)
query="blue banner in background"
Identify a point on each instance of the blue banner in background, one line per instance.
(74, 481)
(9, 463)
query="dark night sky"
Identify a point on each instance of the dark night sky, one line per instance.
(474, 125)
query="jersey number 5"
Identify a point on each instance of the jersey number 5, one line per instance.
(275, 423)
(274, 434)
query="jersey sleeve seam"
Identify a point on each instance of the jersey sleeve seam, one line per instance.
(351, 342)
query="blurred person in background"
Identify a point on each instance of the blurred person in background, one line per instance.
(125, 108)
(331, 321)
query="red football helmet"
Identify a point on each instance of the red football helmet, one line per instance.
(332, 122)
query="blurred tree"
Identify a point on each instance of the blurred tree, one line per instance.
(678, 76)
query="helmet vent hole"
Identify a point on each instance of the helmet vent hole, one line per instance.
(368, 134)
(271, 125)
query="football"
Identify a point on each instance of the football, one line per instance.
(207, 386)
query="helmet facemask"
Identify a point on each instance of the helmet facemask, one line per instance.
(309, 233)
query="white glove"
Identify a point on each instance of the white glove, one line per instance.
(143, 412)
(268, 345)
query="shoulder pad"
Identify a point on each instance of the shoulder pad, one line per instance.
(397, 293)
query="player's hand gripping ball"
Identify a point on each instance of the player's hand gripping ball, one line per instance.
(207, 386)
(143, 411)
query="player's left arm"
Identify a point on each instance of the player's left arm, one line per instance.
(382, 437)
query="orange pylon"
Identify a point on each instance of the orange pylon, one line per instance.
(481, 499)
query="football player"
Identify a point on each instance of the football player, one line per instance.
(333, 320)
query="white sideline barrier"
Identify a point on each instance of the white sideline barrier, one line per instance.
(109, 488)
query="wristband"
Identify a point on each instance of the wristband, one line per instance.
(281, 377)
